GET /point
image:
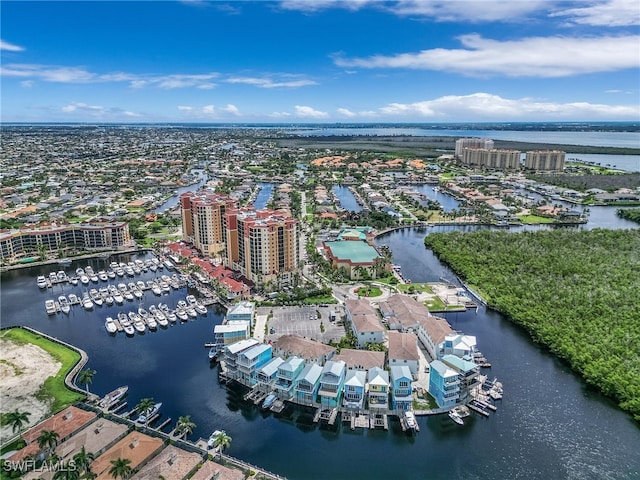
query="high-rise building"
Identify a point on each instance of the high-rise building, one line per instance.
(203, 215)
(549, 160)
(497, 159)
(262, 245)
(463, 143)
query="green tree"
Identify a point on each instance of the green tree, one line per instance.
(83, 459)
(17, 420)
(144, 407)
(48, 439)
(222, 441)
(185, 426)
(121, 468)
(86, 377)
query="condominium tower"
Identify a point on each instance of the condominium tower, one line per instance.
(463, 143)
(551, 160)
(203, 215)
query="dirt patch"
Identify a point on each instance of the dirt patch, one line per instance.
(23, 370)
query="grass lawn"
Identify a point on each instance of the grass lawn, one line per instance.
(54, 387)
(535, 219)
(370, 291)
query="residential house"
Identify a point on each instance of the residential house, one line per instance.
(364, 322)
(401, 396)
(249, 361)
(310, 350)
(431, 332)
(361, 359)
(403, 350)
(354, 389)
(288, 371)
(267, 374)
(231, 353)
(230, 332)
(460, 345)
(332, 383)
(378, 388)
(444, 383)
(307, 384)
(242, 311)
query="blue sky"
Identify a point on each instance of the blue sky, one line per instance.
(296, 61)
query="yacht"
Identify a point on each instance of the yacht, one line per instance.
(134, 290)
(96, 297)
(191, 300)
(89, 271)
(155, 288)
(65, 307)
(50, 307)
(212, 438)
(111, 274)
(41, 281)
(102, 275)
(410, 420)
(148, 414)
(126, 324)
(110, 325)
(86, 301)
(137, 322)
(73, 299)
(181, 314)
(80, 271)
(152, 323)
(172, 317)
(455, 416)
(113, 397)
(200, 308)
(117, 296)
(84, 279)
(53, 278)
(142, 312)
(191, 311)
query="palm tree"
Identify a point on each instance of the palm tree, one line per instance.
(66, 474)
(120, 468)
(48, 439)
(222, 441)
(86, 376)
(83, 459)
(144, 407)
(17, 420)
(184, 426)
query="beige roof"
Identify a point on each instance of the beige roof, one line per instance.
(359, 307)
(136, 446)
(289, 345)
(211, 470)
(368, 323)
(406, 310)
(172, 462)
(360, 359)
(93, 438)
(437, 328)
(403, 346)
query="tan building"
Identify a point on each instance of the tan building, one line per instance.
(203, 220)
(548, 160)
(262, 245)
(463, 143)
(497, 159)
(310, 350)
(136, 447)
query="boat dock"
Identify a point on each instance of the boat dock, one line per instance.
(277, 406)
(255, 396)
(405, 426)
(326, 415)
(477, 408)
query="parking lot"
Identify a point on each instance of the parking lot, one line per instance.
(304, 321)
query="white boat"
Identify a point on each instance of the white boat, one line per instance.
(455, 416)
(73, 299)
(172, 317)
(212, 438)
(64, 261)
(86, 302)
(42, 281)
(65, 307)
(152, 323)
(79, 271)
(53, 278)
(181, 314)
(191, 312)
(84, 279)
(410, 419)
(126, 324)
(141, 285)
(191, 300)
(111, 274)
(155, 288)
(50, 307)
(96, 297)
(62, 277)
(148, 414)
(102, 275)
(89, 271)
(213, 353)
(73, 280)
(269, 400)
(200, 308)
(113, 397)
(110, 325)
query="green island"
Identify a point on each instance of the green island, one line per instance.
(54, 389)
(632, 214)
(575, 292)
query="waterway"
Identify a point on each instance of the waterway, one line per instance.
(346, 198)
(263, 197)
(172, 201)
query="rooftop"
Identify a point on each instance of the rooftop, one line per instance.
(354, 251)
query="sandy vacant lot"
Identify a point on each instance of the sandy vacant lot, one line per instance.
(23, 370)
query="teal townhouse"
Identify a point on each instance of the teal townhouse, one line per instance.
(249, 361)
(354, 389)
(452, 379)
(267, 374)
(332, 383)
(288, 371)
(307, 384)
(401, 397)
(378, 393)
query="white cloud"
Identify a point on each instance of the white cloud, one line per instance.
(530, 57)
(10, 47)
(468, 10)
(209, 111)
(279, 114)
(82, 107)
(317, 5)
(47, 73)
(269, 83)
(611, 13)
(346, 112)
(309, 112)
(27, 83)
(485, 106)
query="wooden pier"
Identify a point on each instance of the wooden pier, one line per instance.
(472, 405)
(277, 406)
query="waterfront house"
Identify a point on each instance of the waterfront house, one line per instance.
(136, 447)
(310, 350)
(230, 332)
(364, 322)
(171, 462)
(403, 313)
(249, 361)
(332, 383)
(444, 383)
(95, 438)
(267, 374)
(403, 350)
(307, 384)
(468, 373)
(242, 311)
(354, 389)
(460, 345)
(401, 396)
(378, 388)
(431, 332)
(231, 353)
(288, 371)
